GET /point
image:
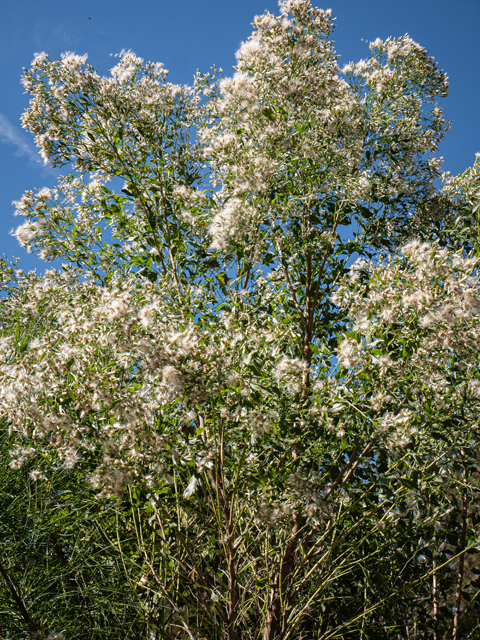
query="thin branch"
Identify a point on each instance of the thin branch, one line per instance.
(167, 230)
(132, 182)
(435, 596)
(292, 291)
(32, 627)
(281, 580)
(461, 566)
(174, 606)
(320, 273)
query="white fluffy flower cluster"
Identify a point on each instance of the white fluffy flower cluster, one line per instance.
(416, 333)
(111, 360)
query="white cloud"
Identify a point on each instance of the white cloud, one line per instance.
(9, 134)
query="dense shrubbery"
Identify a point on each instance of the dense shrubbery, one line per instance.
(247, 406)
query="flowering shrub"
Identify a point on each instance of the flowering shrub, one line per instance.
(299, 432)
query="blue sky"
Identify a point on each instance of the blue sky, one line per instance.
(187, 35)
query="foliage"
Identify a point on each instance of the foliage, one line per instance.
(296, 434)
(68, 562)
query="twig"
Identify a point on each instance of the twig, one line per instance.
(292, 291)
(32, 627)
(461, 566)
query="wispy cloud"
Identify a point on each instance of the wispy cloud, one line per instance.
(9, 134)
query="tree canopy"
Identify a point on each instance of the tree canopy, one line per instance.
(247, 404)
